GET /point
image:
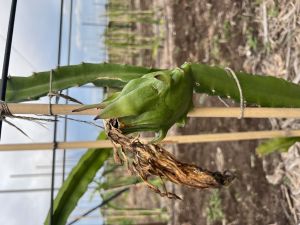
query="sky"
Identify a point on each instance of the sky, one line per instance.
(34, 49)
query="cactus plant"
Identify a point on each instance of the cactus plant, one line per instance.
(276, 145)
(153, 99)
(266, 91)
(153, 102)
(104, 74)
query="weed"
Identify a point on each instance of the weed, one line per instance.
(258, 2)
(177, 50)
(273, 12)
(215, 49)
(286, 181)
(226, 30)
(267, 47)
(121, 221)
(251, 40)
(214, 211)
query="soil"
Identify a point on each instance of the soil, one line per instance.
(199, 28)
(250, 199)
(225, 33)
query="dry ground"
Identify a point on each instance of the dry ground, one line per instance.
(255, 36)
(261, 36)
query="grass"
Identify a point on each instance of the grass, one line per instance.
(251, 40)
(214, 210)
(273, 11)
(215, 50)
(227, 30)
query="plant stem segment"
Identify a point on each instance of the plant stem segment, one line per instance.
(266, 91)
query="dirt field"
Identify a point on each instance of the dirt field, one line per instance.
(263, 37)
(227, 33)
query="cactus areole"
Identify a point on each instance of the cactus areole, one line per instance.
(153, 102)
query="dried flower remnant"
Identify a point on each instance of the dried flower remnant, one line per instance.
(148, 160)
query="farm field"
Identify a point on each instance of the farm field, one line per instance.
(233, 34)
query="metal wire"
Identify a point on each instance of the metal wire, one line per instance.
(6, 60)
(55, 123)
(106, 201)
(70, 31)
(67, 92)
(32, 190)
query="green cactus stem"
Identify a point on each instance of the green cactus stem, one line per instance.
(266, 91)
(104, 74)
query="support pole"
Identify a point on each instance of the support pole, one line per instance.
(55, 118)
(249, 112)
(9, 38)
(184, 139)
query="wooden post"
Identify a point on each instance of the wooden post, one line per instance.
(184, 139)
(59, 109)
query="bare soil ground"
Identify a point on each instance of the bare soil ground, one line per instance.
(230, 33)
(260, 36)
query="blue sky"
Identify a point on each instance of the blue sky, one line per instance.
(35, 44)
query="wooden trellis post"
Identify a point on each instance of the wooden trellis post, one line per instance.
(57, 109)
(249, 112)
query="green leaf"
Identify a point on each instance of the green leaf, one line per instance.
(77, 183)
(276, 145)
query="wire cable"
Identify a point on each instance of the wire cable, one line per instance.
(67, 92)
(105, 202)
(55, 117)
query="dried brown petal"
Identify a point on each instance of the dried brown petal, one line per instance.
(152, 160)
